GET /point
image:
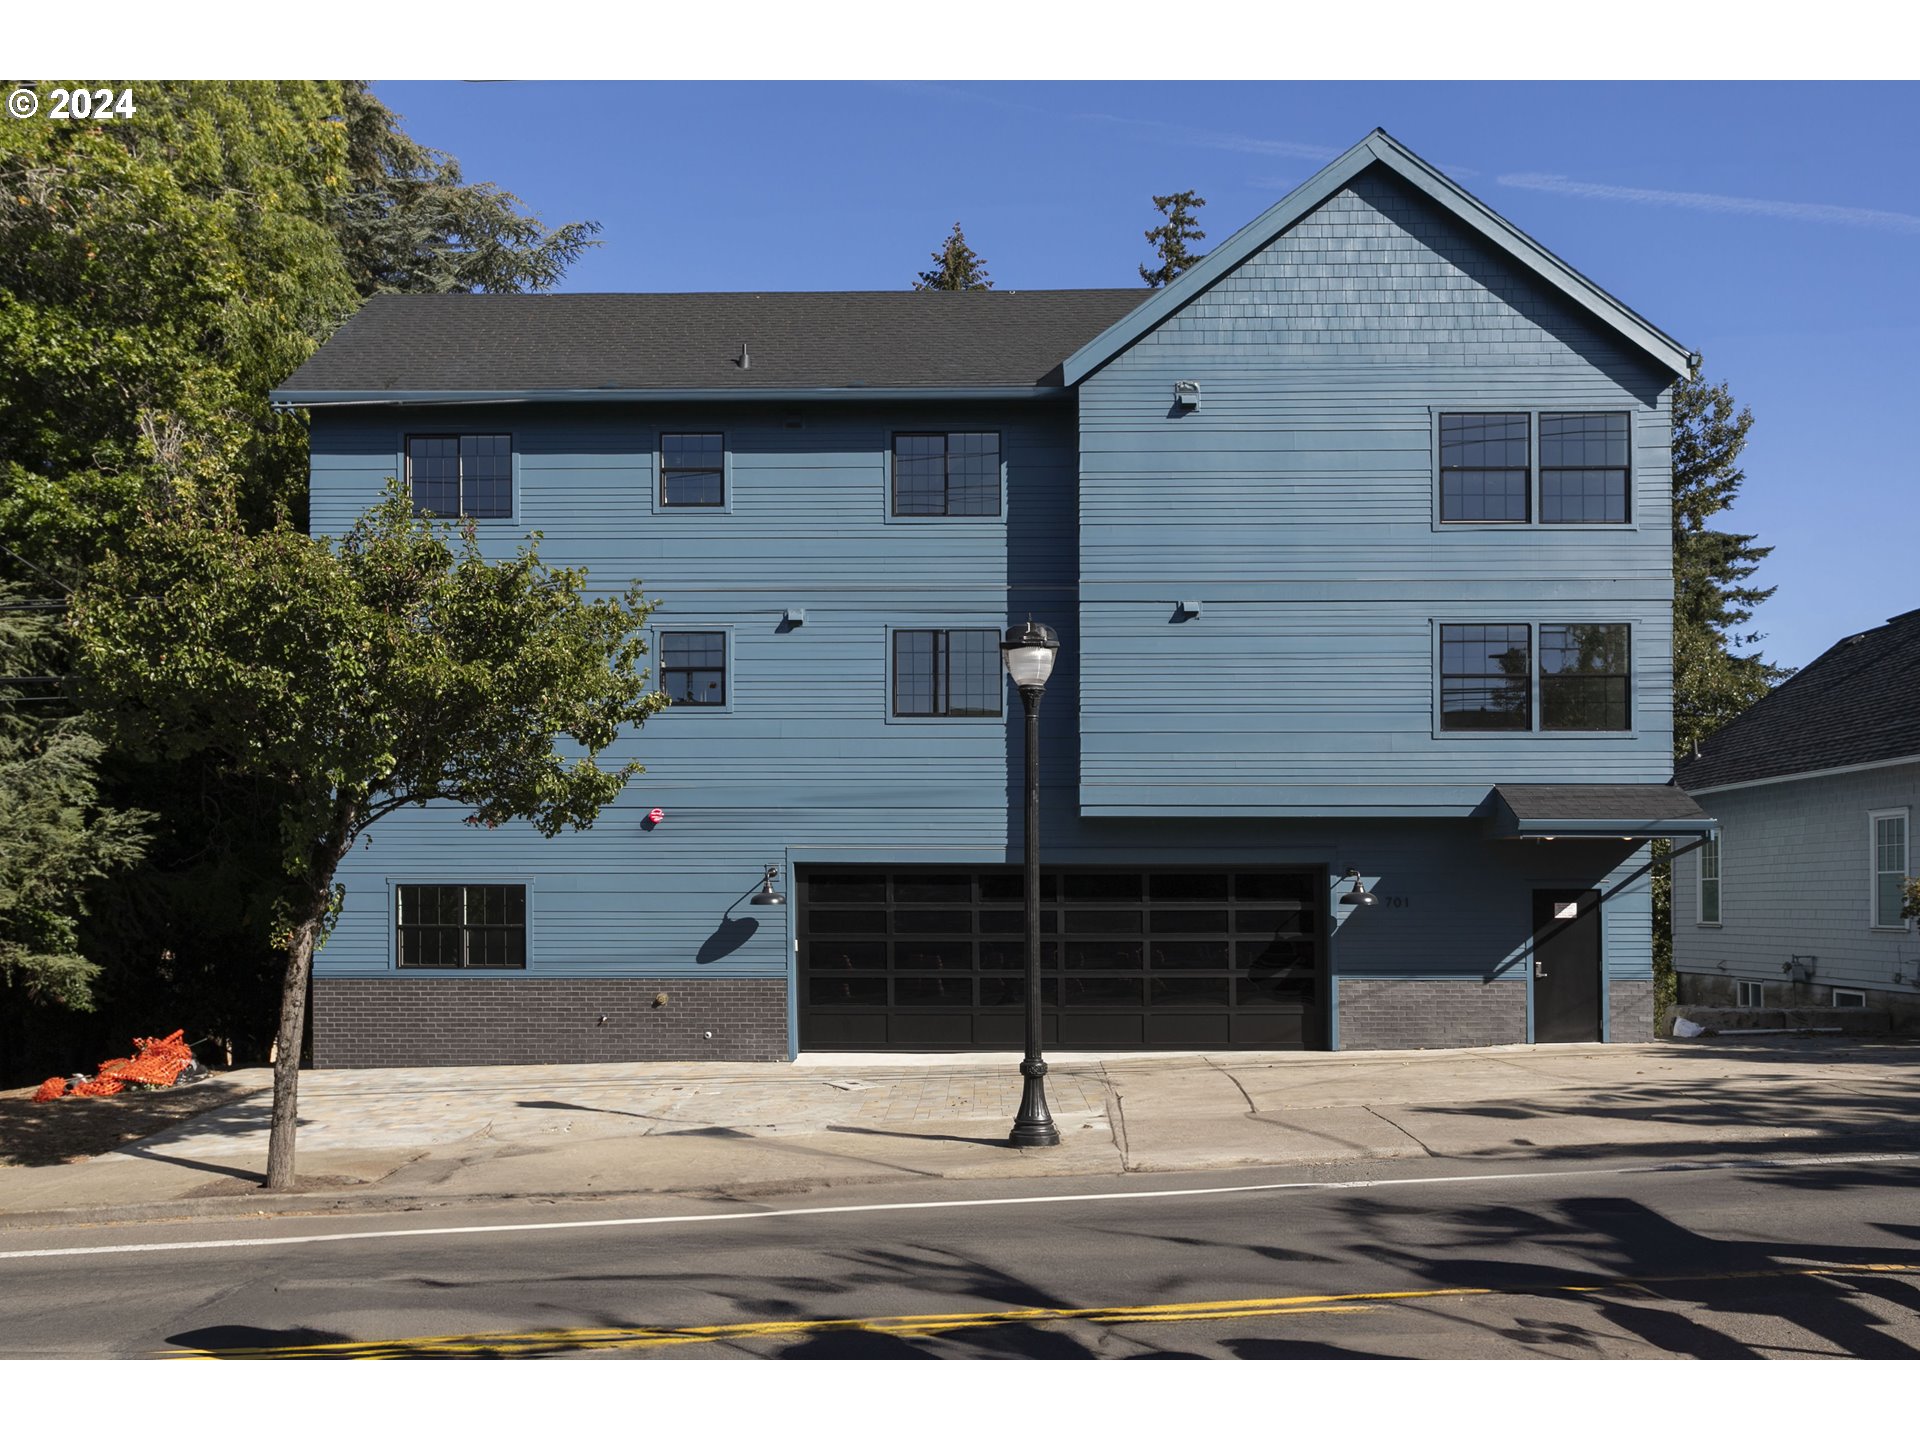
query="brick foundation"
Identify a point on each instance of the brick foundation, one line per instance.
(1902, 1009)
(449, 1020)
(1431, 1014)
(1629, 1011)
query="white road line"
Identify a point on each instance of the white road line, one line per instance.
(254, 1242)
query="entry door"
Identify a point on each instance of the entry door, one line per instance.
(1566, 965)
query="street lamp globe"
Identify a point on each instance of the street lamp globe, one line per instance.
(1029, 651)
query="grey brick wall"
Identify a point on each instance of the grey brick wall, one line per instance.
(448, 1020)
(1629, 1011)
(1431, 1014)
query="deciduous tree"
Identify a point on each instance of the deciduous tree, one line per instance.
(394, 667)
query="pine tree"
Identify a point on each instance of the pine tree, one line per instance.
(955, 267)
(1716, 672)
(1171, 237)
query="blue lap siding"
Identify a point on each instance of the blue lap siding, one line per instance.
(1291, 722)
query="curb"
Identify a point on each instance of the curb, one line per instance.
(296, 1205)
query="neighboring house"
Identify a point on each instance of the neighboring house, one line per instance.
(1357, 541)
(1816, 789)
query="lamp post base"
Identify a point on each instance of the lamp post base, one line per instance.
(1033, 1126)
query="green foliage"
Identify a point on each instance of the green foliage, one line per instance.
(409, 223)
(955, 267)
(55, 835)
(1171, 237)
(1910, 901)
(159, 275)
(1716, 672)
(353, 677)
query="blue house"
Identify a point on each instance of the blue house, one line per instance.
(1357, 541)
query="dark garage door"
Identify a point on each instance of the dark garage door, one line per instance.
(923, 958)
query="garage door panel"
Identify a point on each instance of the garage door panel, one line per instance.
(927, 958)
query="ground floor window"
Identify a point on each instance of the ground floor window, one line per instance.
(1849, 999)
(461, 927)
(1889, 841)
(1753, 994)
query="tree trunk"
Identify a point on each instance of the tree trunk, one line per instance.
(286, 1062)
(307, 934)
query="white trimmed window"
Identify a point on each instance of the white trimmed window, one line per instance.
(1887, 831)
(1707, 878)
(1753, 995)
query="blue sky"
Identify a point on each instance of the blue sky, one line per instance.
(1774, 228)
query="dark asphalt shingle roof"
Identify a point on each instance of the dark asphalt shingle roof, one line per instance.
(813, 340)
(1857, 704)
(1629, 804)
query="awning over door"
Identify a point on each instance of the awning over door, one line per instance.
(1623, 812)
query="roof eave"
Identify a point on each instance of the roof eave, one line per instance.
(292, 399)
(1378, 148)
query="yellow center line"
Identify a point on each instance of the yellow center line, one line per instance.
(648, 1337)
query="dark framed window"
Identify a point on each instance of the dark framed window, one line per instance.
(947, 672)
(1585, 469)
(693, 666)
(468, 475)
(1584, 677)
(946, 473)
(461, 927)
(1486, 678)
(1486, 467)
(693, 470)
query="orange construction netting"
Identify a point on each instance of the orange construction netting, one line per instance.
(155, 1063)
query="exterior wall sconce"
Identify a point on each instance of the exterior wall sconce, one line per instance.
(1358, 894)
(1186, 394)
(767, 895)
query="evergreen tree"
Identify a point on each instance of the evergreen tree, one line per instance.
(955, 267)
(1171, 236)
(1716, 672)
(55, 836)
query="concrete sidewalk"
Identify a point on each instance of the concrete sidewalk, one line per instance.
(403, 1138)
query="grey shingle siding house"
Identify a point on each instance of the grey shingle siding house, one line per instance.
(1356, 538)
(1816, 789)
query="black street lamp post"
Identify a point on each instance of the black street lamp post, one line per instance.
(1029, 651)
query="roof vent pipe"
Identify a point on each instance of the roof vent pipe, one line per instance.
(746, 360)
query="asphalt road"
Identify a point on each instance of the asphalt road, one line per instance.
(1810, 1257)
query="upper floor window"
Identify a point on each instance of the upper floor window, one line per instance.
(468, 475)
(462, 927)
(949, 473)
(1499, 677)
(1708, 909)
(947, 672)
(1584, 469)
(1486, 467)
(693, 666)
(1889, 841)
(1486, 678)
(1579, 473)
(693, 470)
(1583, 677)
